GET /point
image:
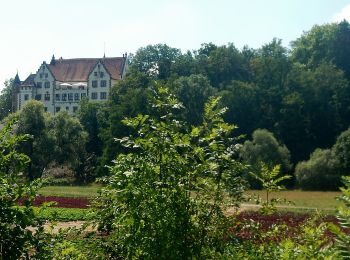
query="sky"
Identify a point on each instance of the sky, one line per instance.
(32, 31)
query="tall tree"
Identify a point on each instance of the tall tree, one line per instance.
(155, 60)
(193, 92)
(32, 121)
(242, 100)
(6, 99)
(270, 68)
(69, 139)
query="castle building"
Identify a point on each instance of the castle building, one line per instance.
(62, 83)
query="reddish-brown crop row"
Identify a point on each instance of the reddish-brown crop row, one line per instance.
(290, 225)
(62, 202)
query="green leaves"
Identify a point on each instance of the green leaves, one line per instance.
(15, 240)
(166, 195)
(270, 183)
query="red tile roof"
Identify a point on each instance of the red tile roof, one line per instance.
(70, 70)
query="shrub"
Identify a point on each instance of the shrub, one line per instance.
(264, 148)
(16, 241)
(165, 198)
(319, 172)
(341, 150)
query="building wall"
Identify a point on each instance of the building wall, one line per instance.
(24, 96)
(44, 89)
(67, 98)
(99, 83)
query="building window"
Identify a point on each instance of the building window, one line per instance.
(41, 75)
(67, 108)
(58, 97)
(102, 74)
(70, 96)
(58, 109)
(26, 97)
(47, 84)
(83, 95)
(95, 73)
(45, 108)
(103, 95)
(39, 84)
(103, 83)
(94, 83)
(75, 109)
(47, 97)
(76, 96)
(38, 97)
(64, 96)
(94, 95)
(46, 75)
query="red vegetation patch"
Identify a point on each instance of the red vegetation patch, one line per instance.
(250, 226)
(62, 202)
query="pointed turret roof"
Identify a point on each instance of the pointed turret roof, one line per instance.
(17, 81)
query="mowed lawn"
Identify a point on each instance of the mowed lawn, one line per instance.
(89, 191)
(313, 200)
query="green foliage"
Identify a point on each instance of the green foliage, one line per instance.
(319, 172)
(16, 241)
(32, 121)
(155, 61)
(193, 92)
(324, 169)
(342, 242)
(270, 182)
(6, 99)
(69, 139)
(341, 150)
(264, 148)
(165, 197)
(128, 98)
(63, 214)
(241, 99)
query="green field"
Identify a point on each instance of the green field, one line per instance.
(312, 200)
(70, 191)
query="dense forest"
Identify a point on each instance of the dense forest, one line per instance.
(291, 107)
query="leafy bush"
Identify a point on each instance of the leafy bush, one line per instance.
(341, 150)
(264, 148)
(319, 172)
(325, 167)
(342, 244)
(165, 198)
(16, 241)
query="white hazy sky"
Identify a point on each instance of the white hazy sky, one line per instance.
(32, 31)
